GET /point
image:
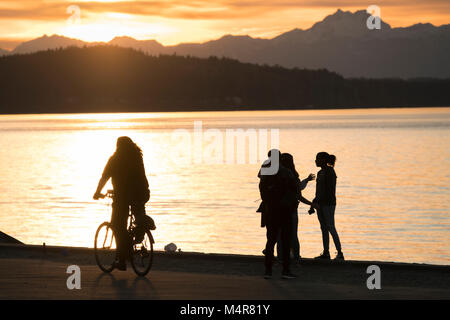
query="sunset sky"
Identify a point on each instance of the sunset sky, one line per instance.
(174, 21)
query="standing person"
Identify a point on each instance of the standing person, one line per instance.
(287, 161)
(326, 201)
(126, 170)
(273, 188)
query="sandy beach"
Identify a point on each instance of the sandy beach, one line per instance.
(32, 272)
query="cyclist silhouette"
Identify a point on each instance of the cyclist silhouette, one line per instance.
(126, 170)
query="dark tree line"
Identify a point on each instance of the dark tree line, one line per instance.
(113, 79)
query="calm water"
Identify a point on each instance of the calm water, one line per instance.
(393, 172)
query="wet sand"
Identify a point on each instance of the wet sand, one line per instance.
(32, 272)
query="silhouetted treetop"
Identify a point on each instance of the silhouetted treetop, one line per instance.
(113, 79)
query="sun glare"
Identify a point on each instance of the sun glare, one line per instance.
(108, 25)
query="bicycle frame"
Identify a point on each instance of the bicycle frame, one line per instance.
(139, 251)
(131, 220)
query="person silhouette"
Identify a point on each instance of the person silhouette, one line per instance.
(287, 161)
(131, 189)
(274, 186)
(326, 201)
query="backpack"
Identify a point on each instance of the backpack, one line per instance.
(146, 223)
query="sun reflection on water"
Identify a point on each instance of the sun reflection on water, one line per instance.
(393, 172)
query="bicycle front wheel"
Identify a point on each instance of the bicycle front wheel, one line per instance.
(142, 255)
(105, 247)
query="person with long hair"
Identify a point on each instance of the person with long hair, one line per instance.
(276, 209)
(326, 201)
(287, 161)
(131, 190)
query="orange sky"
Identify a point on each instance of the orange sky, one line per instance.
(175, 21)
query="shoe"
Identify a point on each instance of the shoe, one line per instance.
(120, 265)
(339, 256)
(323, 256)
(268, 275)
(288, 275)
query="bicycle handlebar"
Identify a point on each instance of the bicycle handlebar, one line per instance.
(109, 194)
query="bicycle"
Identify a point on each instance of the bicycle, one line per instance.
(141, 252)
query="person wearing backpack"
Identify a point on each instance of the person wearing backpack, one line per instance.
(131, 190)
(276, 209)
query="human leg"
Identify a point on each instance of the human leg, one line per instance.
(328, 213)
(119, 221)
(324, 229)
(279, 247)
(138, 211)
(272, 236)
(286, 233)
(295, 244)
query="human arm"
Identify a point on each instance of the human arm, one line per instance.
(313, 204)
(103, 180)
(304, 182)
(306, 201)
(100, 186)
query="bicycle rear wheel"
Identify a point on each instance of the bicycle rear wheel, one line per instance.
(105, 247)
(142, 255)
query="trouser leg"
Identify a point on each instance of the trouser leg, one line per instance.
(286, 233)
(272, 236)
(279, 246)
(295, 244)
(138, 211)
(324, 229)
(328, 212)
(119, 221)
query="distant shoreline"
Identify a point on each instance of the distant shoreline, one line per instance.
(233, 110)
(112, 79)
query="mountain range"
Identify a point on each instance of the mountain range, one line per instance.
(341, 43)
